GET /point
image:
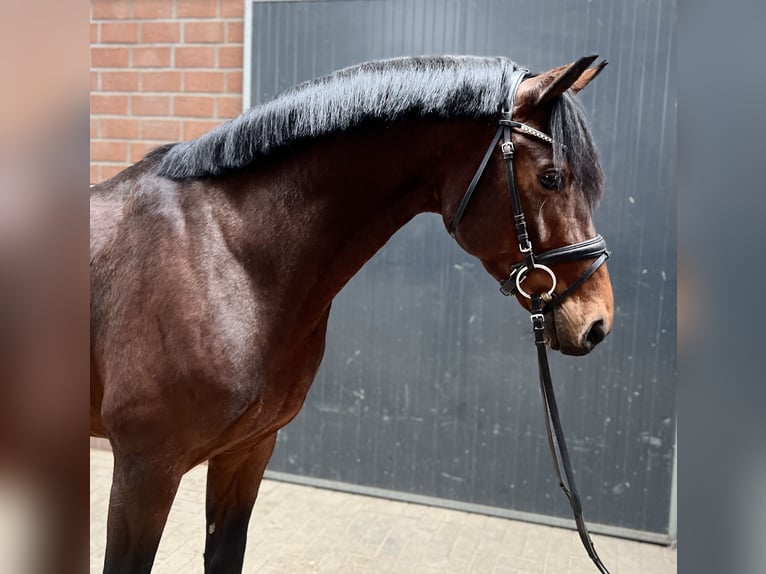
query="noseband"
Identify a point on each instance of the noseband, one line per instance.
(594, 248)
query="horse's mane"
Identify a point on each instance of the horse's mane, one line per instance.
(383, 91)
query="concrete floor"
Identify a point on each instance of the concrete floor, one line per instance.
(300, 529)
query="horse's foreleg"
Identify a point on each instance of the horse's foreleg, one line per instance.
(232, 485)
(142, 493)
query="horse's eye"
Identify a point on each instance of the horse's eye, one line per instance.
(551, 180)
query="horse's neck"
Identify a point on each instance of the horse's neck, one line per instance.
(315, 218)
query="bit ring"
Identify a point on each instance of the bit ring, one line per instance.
(522, 274)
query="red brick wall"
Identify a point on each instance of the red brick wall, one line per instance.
(161, 71)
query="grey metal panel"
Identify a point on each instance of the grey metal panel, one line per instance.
(429, 380)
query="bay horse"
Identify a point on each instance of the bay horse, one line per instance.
(214, 263)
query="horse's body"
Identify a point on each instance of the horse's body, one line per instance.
(211, 293)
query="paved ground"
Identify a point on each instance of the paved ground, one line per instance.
(299, 529)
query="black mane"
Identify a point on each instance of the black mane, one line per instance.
(385, 91)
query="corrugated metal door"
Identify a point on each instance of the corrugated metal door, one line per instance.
(429, 383)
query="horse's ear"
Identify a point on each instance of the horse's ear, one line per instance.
(587, 76)
(546, 87)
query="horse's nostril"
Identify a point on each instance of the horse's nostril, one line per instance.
(595, 334)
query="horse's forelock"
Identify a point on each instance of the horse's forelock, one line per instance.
(574, 146)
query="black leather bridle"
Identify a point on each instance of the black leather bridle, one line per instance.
(594, 248)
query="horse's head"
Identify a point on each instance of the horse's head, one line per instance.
(558, 185)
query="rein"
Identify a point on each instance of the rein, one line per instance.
(540, 303)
